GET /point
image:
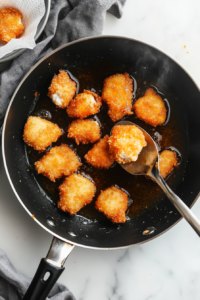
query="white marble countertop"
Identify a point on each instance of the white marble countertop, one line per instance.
(165, 268)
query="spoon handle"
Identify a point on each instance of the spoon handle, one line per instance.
(183, 209)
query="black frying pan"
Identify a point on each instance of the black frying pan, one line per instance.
(113, 55)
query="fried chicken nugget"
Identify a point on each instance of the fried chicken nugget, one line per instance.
(84, 131)
(118, 93)
(99, 156)
(11, 26)
(151, 108)
(40, 133)
(84, 104)
(75, 192)
(168, 161)
(62, 89)
(59, 161)
(125, 143)
(113, 203)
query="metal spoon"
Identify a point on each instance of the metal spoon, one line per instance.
(146, 165)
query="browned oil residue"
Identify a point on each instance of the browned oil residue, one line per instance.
(143, 192)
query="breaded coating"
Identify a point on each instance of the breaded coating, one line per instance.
(75, 192)
(11, 26)
(118, 93)
(59, 161)
(40, 133)
(151, 108)
(113, 203)
(83, 105)
(168, 161)
(84, 131)
(125, 143)
(99, 156)
(62, 89)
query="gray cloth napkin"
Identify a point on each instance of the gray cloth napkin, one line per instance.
(69, 20)
(13, 285)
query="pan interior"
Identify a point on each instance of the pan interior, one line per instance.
(91, 61)
(143, 193)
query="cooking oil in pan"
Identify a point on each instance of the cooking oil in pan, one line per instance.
(143, 192)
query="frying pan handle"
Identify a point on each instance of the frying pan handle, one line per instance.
(49, 270)
(183, 209)
(39, 287)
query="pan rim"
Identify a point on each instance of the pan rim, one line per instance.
(3, 145)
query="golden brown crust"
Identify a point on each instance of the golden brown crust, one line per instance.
(62, 89)
(125, 143)
(84, 131)
(99, 156)
(40, 133)
(151, 108)
(168, 161)
(118, 93)
(83, 105)
(113, 203)
(11, 26)
(58, 162)
(75, 192)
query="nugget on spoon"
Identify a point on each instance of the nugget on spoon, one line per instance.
(126, 143)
